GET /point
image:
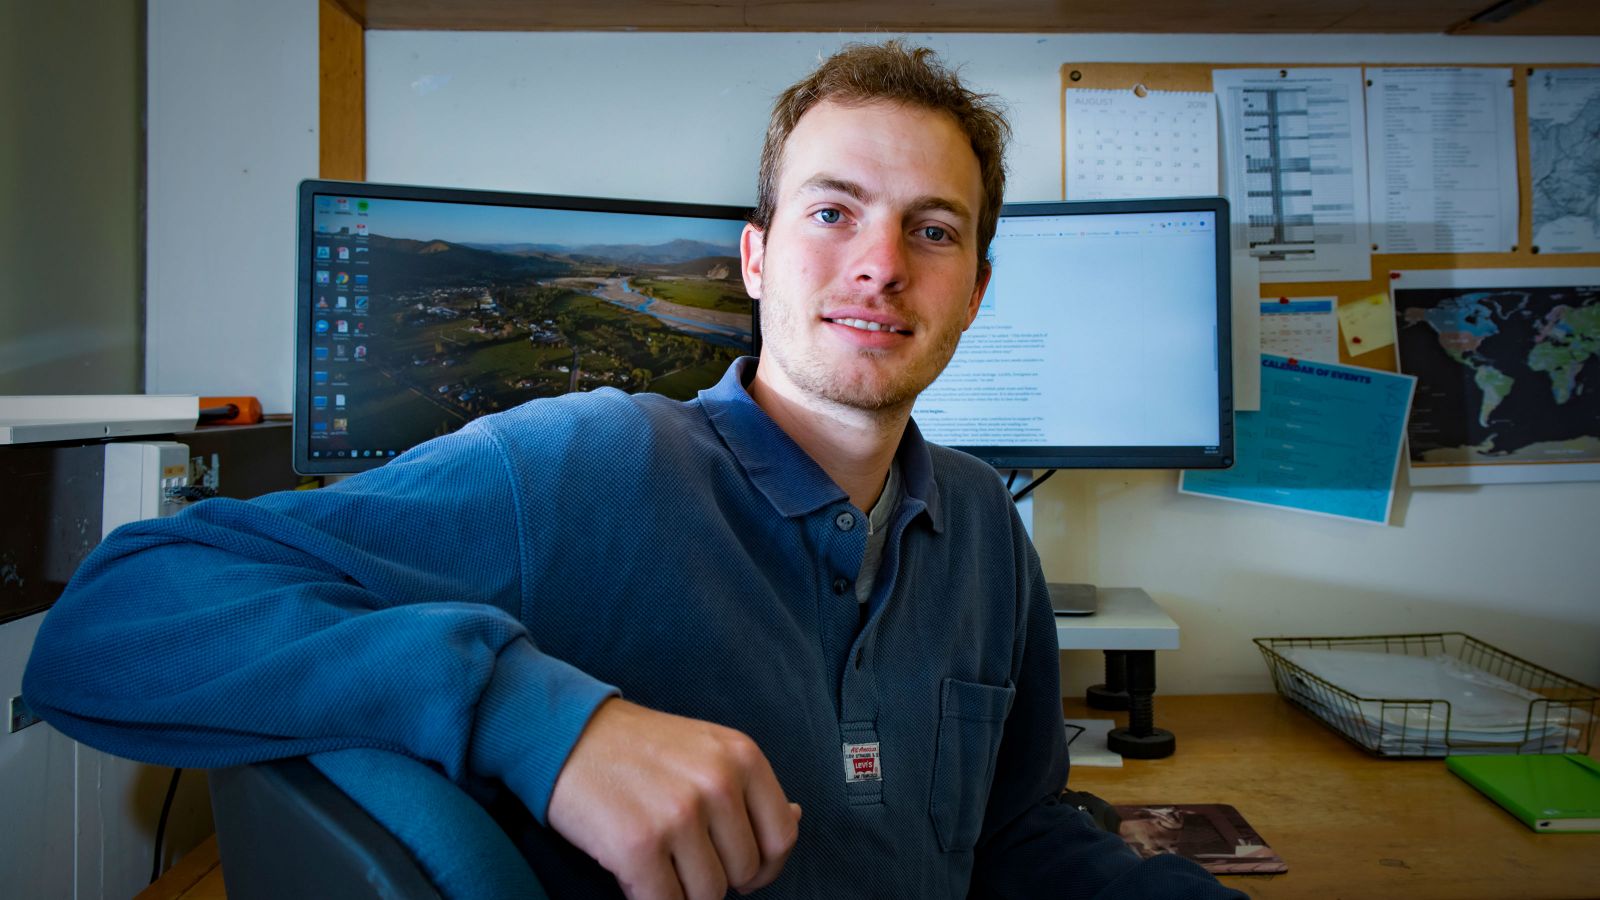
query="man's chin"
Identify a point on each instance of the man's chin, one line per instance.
(870, 396)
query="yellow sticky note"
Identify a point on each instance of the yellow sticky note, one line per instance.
(1367, 324)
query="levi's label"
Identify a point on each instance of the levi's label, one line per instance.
(862, 762)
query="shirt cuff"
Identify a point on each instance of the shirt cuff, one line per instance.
(528, 720)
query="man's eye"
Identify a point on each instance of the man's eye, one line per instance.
(935, 233)
(828, 216)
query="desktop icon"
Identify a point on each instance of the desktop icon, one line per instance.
(361, 301)
(361, 327)
(322, 326)
(344, 254)
(341, 301)
(319, 402)
(343, 279)
(361, 281)
(361, 351)
(319, 352)
(361, 206)
(340, 351)
(324, 250)
(320, 376)
(324, 202)
(341, 424)
(342, 204)
(342, 326)
(361, 229)
(322, 228)
(322, 277)
(322, 302)
(319, 426)
(338, 401)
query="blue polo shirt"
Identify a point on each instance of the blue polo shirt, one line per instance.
(472, 602)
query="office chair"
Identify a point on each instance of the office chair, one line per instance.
(360, 823)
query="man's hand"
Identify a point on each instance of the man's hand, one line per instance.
(673, 807)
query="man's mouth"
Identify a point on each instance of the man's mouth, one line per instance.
(865, 325)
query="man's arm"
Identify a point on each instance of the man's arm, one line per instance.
(387, 612)
(383, 612)
(1034, 844)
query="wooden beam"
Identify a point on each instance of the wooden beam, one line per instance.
(1027, 16)
(342, 116)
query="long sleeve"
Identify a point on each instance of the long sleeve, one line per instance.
(1033, 845)
(385, 612)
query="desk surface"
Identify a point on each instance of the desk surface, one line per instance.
(1348, 824)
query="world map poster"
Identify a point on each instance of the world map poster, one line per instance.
(1508, 379)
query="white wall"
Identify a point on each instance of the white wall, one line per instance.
(232, 128)
(70, 179)
(680, 117)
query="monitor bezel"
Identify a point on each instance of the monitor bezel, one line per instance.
(305, 249)
(1219, 456)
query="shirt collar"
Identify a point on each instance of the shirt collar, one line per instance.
(790, 479)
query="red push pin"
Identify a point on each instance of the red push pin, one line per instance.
(1283, 299)
(1355, 340)
(1293, 362)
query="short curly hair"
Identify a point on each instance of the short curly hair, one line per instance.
(891, 72)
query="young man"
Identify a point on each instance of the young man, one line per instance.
(766, 639)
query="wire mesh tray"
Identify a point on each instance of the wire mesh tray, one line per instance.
(1559, 715)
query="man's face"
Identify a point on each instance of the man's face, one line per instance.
(868, 272)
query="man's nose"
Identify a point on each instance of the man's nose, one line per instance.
(880, 260)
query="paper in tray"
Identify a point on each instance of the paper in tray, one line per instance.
(1408, 703)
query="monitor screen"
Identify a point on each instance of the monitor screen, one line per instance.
(420, 309)
(1102, 341)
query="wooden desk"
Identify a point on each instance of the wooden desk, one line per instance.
(1348, 824)
(198, 876)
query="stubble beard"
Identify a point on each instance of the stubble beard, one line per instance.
(867, 388)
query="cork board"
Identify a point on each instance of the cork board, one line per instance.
(1197, 77)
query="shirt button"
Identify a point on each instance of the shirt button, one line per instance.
(840, 585)
(845, 521)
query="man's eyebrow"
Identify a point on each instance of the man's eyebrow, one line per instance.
(855, 191)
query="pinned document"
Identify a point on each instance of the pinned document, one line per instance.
(1443, 151)
(1296, 170)
(1301, 328)
(1327, 440)
(1367, 324)
(1123, 144)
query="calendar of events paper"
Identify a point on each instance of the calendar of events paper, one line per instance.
(1122, 145)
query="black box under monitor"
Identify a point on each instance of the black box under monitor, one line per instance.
(419, 309)
(1103, 341)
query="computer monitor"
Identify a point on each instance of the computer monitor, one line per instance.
(420, 308)
(1103, 341)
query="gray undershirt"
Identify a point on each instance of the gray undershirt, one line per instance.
(877, 534)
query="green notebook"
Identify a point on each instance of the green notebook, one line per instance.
(1548, 792)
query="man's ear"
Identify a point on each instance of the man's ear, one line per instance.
(984, 271)
(752, 254)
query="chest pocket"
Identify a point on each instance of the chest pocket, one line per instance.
(971, 718)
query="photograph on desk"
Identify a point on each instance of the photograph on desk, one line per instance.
(1214, 835)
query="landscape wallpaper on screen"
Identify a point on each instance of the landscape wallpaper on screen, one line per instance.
(432, 317)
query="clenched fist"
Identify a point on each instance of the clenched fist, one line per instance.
(673, 807)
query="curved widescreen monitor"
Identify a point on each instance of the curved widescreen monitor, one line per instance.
(420, 309)
(1102, 342)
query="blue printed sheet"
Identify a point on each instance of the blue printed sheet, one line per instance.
(1326, 440)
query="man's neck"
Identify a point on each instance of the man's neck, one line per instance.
(854, 446)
